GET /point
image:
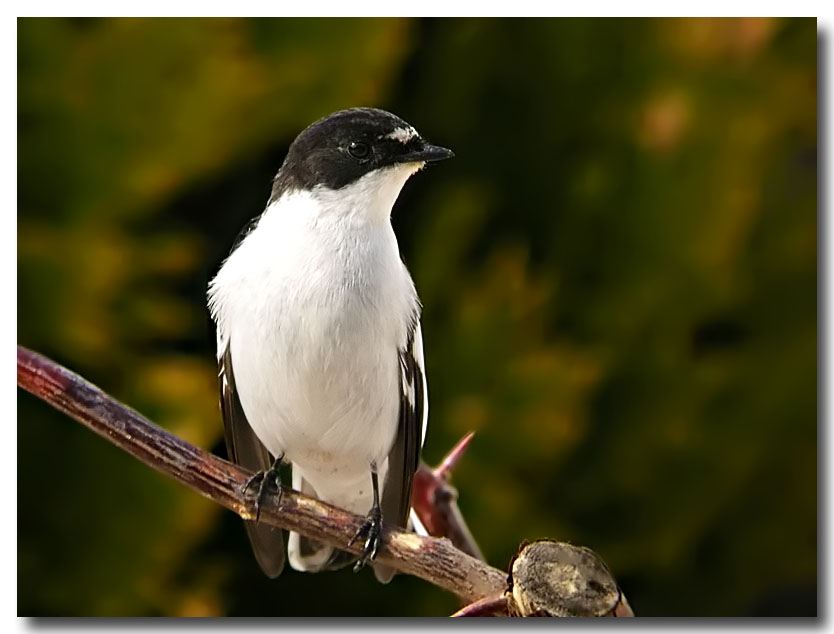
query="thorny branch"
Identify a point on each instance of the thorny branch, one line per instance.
(433, 559)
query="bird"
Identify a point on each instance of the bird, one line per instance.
(319, 344)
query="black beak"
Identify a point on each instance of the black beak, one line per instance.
(427, 153)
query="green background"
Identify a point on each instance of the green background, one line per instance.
(619, 274)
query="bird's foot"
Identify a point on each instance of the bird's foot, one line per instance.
(264, 480)
(371, 532)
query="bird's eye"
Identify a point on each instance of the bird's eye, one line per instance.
(359, 150)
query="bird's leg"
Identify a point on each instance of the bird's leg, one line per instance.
(371, 529)
(263, 479)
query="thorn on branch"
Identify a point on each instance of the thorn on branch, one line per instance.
(444, 470)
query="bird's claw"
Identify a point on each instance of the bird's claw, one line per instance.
(371, 532)
(263, 479)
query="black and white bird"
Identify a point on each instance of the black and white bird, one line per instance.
(318, 335)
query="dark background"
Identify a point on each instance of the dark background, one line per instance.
(618, 271)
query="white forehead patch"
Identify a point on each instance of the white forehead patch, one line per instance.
(403, 135)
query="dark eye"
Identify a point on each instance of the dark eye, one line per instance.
(359, 150)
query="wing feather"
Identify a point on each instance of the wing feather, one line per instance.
(405, 454)
(246, 450)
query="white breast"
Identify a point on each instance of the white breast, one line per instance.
(315, 304)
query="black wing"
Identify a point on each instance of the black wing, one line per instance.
(405, 454)
(246, 450)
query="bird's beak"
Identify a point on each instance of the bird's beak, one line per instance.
(428, 153)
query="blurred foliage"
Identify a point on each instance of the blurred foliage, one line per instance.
(618, 271)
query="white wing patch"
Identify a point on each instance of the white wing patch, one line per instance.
(417, 525)
(222, 376)
(221, 366)
(417, 352)
(408, 388)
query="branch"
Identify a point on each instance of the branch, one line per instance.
(434, 560)
(547, 577)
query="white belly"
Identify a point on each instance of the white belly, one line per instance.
(324, 396)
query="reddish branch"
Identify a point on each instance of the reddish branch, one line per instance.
(436, 502)
(495, 605)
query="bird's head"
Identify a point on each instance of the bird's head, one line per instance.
(357, 151)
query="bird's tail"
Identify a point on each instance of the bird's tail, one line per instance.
(305, 554)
